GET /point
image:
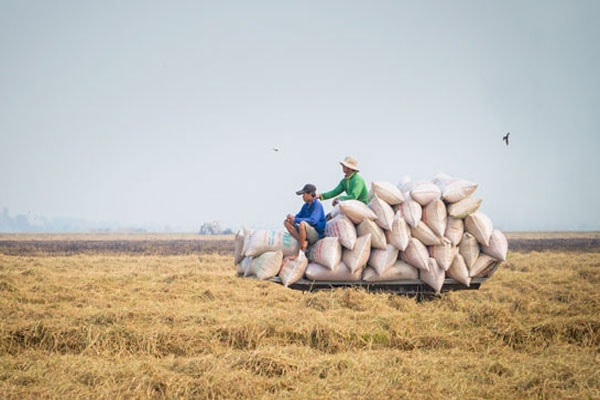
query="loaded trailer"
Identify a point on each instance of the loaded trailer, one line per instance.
(408, 287)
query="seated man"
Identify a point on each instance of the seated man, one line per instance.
(309, 224)
(352, 184)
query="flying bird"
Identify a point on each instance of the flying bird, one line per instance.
(505, 138)
(275, 149)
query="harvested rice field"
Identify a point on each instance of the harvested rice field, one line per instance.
(166, 317)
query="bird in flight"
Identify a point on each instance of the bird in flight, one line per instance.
(505, 138)
(275, 149)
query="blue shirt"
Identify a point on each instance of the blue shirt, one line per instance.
(314, 215)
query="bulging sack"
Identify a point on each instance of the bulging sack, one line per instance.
(388, 192)
(381, 260)
(435, 217)
(481, 265)
(263, 240)
(327, 252)
(293, 270)
(455, 228)
(425, 192)
(479, 225)
(498, 247)
(317, 272)
(399, 271)
(469, 249)
(416, 254)
(356, 210)
(357, 258)
(383, 211)
(443, 253)
(435, 276)
(400, 233)
(425, 234)
(342, 228)
(411, 212)
(267, 265)
(243, 268)
(368, 226)
(238, 247)
(464, 207)
(458, 271)
(454, 189)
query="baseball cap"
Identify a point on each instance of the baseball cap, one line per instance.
(308, 188)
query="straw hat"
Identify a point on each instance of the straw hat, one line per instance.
(351, 163)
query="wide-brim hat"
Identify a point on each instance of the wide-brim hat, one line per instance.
(350, 162)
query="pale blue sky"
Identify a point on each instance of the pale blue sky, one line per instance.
(165, 113)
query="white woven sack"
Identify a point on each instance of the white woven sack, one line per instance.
(263, 240)
(464, 207)
(356, 210)
(479, 225)
(416, 254)
(454, 189)
(425, 192)
(246, 240)
(388, 192)
(381, 260)
(498, 247)
(443, 253)
(335, 211)
(317, 272)
(357, 258)
(342, 228)
(435, 276)
(327, 252)
(469, 249)
(383, 211)
(458, 271)
(293, 270)
(243, 266)
(397, 272)
(455, 227)
(238, 247)
(435, 216)
(411, 212)
(400, 233)
(483, 262)
(369, 226)
(425, 234)
(267, 265)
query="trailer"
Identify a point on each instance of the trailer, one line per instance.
(408, 287)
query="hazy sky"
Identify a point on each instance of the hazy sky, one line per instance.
(166, 112)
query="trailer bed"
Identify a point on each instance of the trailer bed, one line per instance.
(409, 287)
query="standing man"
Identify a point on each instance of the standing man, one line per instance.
(353, 184)
(308, 225)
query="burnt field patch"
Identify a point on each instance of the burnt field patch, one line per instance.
(585, 245)
(162, 245)
(136, 247)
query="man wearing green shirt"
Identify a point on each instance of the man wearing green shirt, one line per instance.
(353, 184)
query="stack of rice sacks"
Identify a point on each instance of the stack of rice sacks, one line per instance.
(426, 230)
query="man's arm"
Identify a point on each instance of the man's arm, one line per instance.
(334, 192)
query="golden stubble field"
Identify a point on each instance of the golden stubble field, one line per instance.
(113, 324)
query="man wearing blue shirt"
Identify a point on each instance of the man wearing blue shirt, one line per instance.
(308, 225)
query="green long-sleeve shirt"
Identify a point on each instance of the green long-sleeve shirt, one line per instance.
(354, 186)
